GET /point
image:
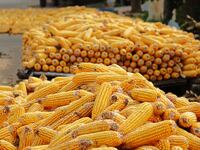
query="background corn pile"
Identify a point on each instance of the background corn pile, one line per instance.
(155, 50)
(17, 21)
(99, 108)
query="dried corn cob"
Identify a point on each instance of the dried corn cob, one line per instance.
(102, 100)
(16, 112)
(50, 89)
(159, 108)
(35, 107)
(4, 111)
(180, 102)
(191, 108)
(163, 144)
(137, 118)
(195, 129)
(187, 119)
(194, 141)
(46, 134)
(4, 145)
(109, 78)
(160, 130)
(119, 105)
(178, 140)
(70, 86)
(171, 114)
(144, 95)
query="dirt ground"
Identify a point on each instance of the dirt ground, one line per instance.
(10, 58)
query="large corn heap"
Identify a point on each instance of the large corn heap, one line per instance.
(17, 21)
(155, 50)
(99, 108)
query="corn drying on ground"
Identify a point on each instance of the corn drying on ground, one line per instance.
(87, 35)
(83, 113)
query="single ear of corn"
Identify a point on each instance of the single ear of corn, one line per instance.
(4, 112)
(76, 144)
(128, 84)
(155, 118)
(26, 136)
(16, 112)
(102, 100)
(62, 111)
(40, 147)
(181, 101)
(104, 148)
(22, 87)
(195, 129)
(187, 119)
(46, 134)
(163, 144)
(69, 86)
(90, 67)
(50, 89)
(194, 141)
(137, 118)
(147, 148)
(109, 138)
(178, 140)
(35, 107)
(32, 117)
(113, 116)
(171, 114)
(61, 98)
(119, 105)
(109, 78)
(96, 126)
(149, 133)
(144, 95)
(4, 145)
(176, 148)
(195, 108)
(83, 111)
(64, 81)
(166, 101)
(159, 108)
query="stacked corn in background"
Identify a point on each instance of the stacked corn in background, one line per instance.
(155, 50)
(99, 108)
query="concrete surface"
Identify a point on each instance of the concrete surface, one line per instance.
(10, 58)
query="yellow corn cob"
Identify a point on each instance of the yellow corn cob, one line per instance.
(128, 84)
(118, 96)
(4, 112)
(42, 85)
(50, 89)
(187, 119)
(70, 86)
(40, 147)
(195, 129)
(6, 88)
(83, 111)
(75, 144)
(104, 148)
(147, 148)
(195, 108)
(194, 141)
(178, 140)
(137, 118)
(147, 134)
(159, 108)
(22, 87)
(63, 82)
(62, 98)
(96, 126)
(46, 133)
(102, 100)
(128, 111)
(119, 105)
(171, 114)
(16, 112)
(7, 100)
(180, 102)
(32, 117)
(62, 79)
(90, 67)
(163, 144)
(35, 107)
(4, 145)
(112, 115)
(144, 95)
(176, 148)
(26, 136)
(166, 101)
(62, 111)
(83, 120)
(38, 141)
(117, 69)
(28, 104)
(109, 78)
(109, 138)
